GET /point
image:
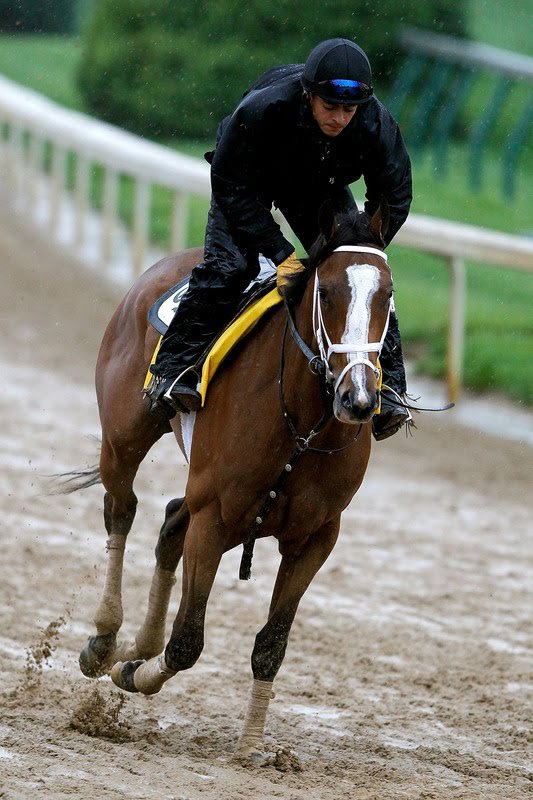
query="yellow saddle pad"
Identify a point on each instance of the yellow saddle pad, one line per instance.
(228, 339)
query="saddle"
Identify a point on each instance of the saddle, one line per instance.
(260, 296)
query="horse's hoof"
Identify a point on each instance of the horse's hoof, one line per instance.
(282, 759)
(122, 675)
(253, 758)
(96, 657)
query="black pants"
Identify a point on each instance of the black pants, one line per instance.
(210, 302)
(391, 358)
(217, 284)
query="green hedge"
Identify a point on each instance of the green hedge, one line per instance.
(175, 69)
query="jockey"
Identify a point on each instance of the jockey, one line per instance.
(300, 135)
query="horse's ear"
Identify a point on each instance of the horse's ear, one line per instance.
(379, 223)
(326, 219)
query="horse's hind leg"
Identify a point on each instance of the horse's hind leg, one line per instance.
(118, 467)
(150, 638)
(296, 571)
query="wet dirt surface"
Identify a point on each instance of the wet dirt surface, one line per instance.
(409, 667)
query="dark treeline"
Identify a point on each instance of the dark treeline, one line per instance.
(167, 68)
(39, 16)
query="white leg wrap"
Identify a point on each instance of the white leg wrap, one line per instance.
(151, 635)
(251, 740)
(108, 618)
(150, 676)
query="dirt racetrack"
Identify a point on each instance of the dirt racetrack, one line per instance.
(409, 668)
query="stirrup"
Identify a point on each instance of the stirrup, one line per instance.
(173, 395)
(154, 393)
(182, 396)
(395, 413)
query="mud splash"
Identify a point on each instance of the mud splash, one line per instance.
(99, 714)
(38, 655)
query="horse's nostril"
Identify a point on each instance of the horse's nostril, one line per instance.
(358, 409)
(346, 401)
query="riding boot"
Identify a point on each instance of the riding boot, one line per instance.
(174, 395)
(176, 371)
(393, 413)
(176, 391)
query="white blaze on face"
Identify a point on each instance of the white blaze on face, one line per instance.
(363, 280)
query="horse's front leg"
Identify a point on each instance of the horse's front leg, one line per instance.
(202, 552)
(296, 571)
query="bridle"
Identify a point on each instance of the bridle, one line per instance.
(358, 348)
(319, 364)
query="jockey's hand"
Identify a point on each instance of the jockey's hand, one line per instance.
(290, 277)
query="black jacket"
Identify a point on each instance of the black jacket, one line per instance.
(271, 150)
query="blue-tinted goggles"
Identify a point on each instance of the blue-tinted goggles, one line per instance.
(344, 90)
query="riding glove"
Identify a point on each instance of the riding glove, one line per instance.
(290, 276)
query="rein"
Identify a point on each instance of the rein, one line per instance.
(302, 442)
(318, 364)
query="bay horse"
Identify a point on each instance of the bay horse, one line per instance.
(286, 430)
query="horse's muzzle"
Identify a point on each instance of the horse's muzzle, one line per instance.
(352, 407)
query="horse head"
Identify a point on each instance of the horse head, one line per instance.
(352, 300)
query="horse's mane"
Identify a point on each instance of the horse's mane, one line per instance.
(352, 228)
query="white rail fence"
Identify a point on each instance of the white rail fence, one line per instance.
(35, 132)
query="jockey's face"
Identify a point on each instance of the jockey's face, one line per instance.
(331, 118)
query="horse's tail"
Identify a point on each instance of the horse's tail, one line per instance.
(69, 482)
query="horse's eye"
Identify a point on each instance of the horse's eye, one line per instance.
(324, 295)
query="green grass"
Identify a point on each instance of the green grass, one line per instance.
(506, 25)
(47, 64)
(499, 328)
(499, 335)
(499, 331)
(451, 197)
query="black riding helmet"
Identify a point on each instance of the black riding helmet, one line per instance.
(338, 71)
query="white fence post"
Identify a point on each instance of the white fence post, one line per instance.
(141, 224)
(34, 171)
(57, 187)
(81, 201)
(456, 327)
(15, 161)
(109, 220)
